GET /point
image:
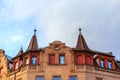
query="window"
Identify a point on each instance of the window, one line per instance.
(88, 60)
(62, 59)
(52, 59)
(19, 79)
(57, 78)
(109, 65)
(102, 63)
(73, 78)
(16, 65)
(57, 48)
(99, 78)
(34, 60)
(21, 62)
(27, 61)
(79, 59)
(0, 71)
(40, 78)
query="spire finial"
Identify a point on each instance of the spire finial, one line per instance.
(35, 30)
(80, 30)
(21, 47)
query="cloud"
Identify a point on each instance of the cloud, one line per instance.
(60, 20)
(16, 38)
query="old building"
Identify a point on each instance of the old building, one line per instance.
(59, 62)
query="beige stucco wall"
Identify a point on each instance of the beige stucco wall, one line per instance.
(3, 65)
(83, 72)
(102, 73)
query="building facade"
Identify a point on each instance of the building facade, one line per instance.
(59, 62)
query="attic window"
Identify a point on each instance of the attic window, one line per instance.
(56, 48)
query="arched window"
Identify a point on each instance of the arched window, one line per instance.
(34, 60)
(27, 61)
(16, 65)
(88, 61)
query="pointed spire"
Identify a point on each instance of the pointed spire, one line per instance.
(81, 43)
(33, 45)
(80, 30)
(35, 31)
(20, 51)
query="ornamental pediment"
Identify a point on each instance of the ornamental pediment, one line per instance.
(57, 46)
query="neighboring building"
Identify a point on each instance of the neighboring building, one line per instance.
(59, 62)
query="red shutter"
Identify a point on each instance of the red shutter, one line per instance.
(52, 59)
(88, 60)
(79, 59)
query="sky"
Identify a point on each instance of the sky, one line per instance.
(60, 20)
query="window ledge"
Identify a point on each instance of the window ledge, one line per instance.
(57, 64)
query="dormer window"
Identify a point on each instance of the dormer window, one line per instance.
(34, 60)
(102, 63)
(109, 64)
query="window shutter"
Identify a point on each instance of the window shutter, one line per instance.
(79, 59)
(52, 59)
(88, 61)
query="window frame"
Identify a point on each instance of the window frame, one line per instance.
(61, 61)
(102, 63)
(16, 65)
(27, 60)
(73, 76)
(32, 60)
(40, 76)
(78, 59)
(109, 63)
(98, 78)
(88, 60)
(50, 61)
(0, 71)
(56, 76)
